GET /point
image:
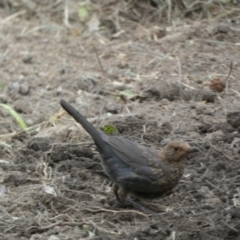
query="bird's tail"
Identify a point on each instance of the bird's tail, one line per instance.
(95, 134)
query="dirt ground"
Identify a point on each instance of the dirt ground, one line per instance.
(145, 78)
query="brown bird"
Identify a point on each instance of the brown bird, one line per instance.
(133, 168)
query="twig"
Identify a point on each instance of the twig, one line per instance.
(36, 127)
(3, 56)
(215, 41)
(114, 211)
(72, 144)
(221, 152)
(66, 15)
(233, 228)
(114, 116)
(169, 12)
(24, 32)
(100, 113)
(173, 235)
(179, 76)
(99, 61)
(187, 86)
(43, 228)
(79, 192)
(227, 78)
(179, 70)
(236, 92)
(13, 16)
(101, 229)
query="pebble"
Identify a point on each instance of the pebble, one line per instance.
(3, 98)
(16, 87)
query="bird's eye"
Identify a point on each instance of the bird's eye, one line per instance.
(176, 148)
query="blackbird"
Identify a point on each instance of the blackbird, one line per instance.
(135, 169)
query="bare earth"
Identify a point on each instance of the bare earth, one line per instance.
(52, 185)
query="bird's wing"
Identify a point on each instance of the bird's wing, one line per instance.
(143, 161)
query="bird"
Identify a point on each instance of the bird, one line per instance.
(133, 168)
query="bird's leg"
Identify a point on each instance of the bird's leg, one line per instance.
(120, 194)
(123, 201)
(115, 191)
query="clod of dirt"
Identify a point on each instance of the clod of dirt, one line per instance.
(13, 88)
(223, 28)
(153, 94)
(233, 213)
(43, 144)
(212, 127)
(16, 178)
(89, 84)
(233, 119)
(60, 153)
(216, 136)
(204, 110)
(22, 106)
(112, 108)
(225, 127)
(198, 95)
(217, 85)
(200, 108)
(219, 166)
(166, 128)
(108, 26)
(175, 92)
(56, 133)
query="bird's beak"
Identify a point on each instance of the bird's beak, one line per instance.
(194, 149)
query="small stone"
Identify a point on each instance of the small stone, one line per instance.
(43, 144)
(13, 88)
(164, 101)
(233, 119)
(192, 105)
(223, 28)
(86, 83)
(205, 192)
(53, 237)
(59, 91)
(3, 98)
(16, 87)
(24, 89)
(208, 111)
(27, 59)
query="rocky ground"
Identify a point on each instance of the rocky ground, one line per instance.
(140, 79)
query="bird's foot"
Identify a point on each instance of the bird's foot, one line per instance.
(129, 203)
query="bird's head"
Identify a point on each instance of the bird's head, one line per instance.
(176, 152)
